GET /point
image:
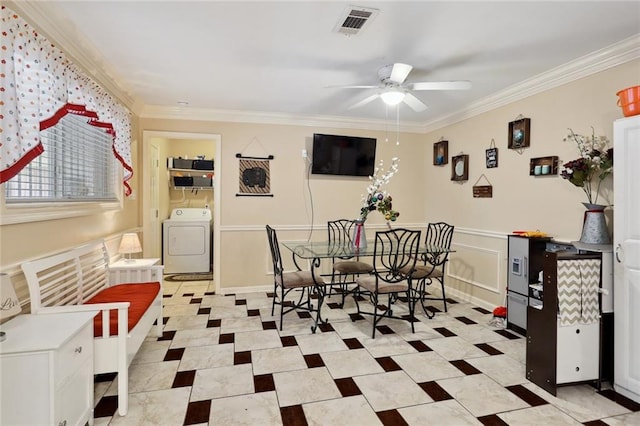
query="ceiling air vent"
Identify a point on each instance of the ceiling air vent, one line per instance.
(354, 19)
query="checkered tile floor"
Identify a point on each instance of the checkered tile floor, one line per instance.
(222, 360)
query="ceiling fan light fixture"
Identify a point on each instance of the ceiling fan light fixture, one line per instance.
(392, 97)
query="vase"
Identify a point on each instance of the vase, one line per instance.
(359, 239)
(594, 225)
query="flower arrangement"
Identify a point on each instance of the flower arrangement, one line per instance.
(592, 167)
(376, 198)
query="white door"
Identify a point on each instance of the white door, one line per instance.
(152, 240)
(626, 240)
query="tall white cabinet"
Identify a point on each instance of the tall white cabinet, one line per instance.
(626, 243)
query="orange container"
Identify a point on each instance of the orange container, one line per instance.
(629, 101)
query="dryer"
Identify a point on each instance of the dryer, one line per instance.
(186, 239)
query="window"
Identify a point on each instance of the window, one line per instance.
(77, 165)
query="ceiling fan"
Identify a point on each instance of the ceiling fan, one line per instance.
(393, 89)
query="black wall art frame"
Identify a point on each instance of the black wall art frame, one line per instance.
(440, 153)
(519, 133)
(460, 168)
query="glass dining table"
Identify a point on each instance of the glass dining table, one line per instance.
(315, 251)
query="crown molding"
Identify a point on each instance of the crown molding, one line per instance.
(237, 116)
(616, 54)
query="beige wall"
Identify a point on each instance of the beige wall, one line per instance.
(520, 201)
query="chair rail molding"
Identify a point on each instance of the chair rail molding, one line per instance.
(496, 253)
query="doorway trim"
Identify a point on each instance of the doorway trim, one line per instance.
(148, 134)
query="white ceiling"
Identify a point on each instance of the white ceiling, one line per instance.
(277, 57)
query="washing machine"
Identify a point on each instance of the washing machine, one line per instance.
(186, 240)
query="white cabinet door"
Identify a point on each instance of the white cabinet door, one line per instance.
(626, 234)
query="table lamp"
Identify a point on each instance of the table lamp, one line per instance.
(9, 303)
(130, 244)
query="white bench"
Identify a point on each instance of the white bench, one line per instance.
(64, 282)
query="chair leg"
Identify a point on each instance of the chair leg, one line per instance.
(273, 299)
(281, 306)
(375, 312)
(412, 308)
(444, 297)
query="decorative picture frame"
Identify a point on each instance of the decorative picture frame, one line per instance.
(519, 133)
(460, 168)
(491, 157)
(440, 153)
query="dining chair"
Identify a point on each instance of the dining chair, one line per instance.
(394, 259)
(344, 267)
(287, 282)
(432, 263)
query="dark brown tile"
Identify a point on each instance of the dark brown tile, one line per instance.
(270, 295)
(435, 391)
(230, 295)
(214, 323)
(347, 387)
(269, 325)
(198, 412)
(410, 318)
(242, 358)
(196, 301)
(353, 343)
(620, 399)
(492, 420)
(419, 345)
(165, 320)
(356, 317)
(188, 294)
(326, 328)
(167, 335)
(452, 301)
(226, 338)
(314, 360)
(466, 320)
(293, 416)
(167, 296)
(174, 354)
(445, 332)
(106, 407)
(334, 305)
(204, 311)
(388, 364)
(241, 302)
(104, 377)
(526, 395)
(288, 341)
(433, 309)
(253, 312)
(391, 418)
(385, 329)
(507, 334)
(465, 367)
(488, 349)
(481, 310)
(264, 383)
(595, 423)
(184, 379)
(209, 293)
(304, 315)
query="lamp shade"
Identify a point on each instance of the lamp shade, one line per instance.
(130, 243)
(392, 97)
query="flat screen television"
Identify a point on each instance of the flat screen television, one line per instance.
(343, 155)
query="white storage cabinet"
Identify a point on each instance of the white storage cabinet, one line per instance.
(46, 364)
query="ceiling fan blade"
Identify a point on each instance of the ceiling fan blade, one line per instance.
(442, 85)
(364, 101)
(416, 104)
(350, 87)
(400, 72)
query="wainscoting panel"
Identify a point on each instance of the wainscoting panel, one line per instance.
(478, 266)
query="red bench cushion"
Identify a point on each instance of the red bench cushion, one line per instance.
(140, 295)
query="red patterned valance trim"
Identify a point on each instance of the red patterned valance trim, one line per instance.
(7, 174)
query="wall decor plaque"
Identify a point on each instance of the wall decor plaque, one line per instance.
(519, 133)
(491, 155)
(440, 153)
(460, 168)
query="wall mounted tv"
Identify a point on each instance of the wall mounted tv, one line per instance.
(343, 155)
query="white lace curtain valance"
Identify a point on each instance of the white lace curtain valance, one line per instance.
(39, 86)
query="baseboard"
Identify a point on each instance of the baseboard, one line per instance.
(249, 289)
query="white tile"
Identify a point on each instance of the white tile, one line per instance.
(298, 387)
(501, 368)
(246, 410)
(185, 322)
(251, 340)
(320, 342)
(197, 357)
(426, 366)
(445, 413)
(454, 348)
(148, 377)
(545, 414)
(266, 361)
(180, 310)
(351, 363)
(163, 407)
(481, 395)
(196, 337)
(151, 351)
(631, 419)
(386, 391)
(233, 325)
(222, 382)
(353, 410)
(387, 345)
